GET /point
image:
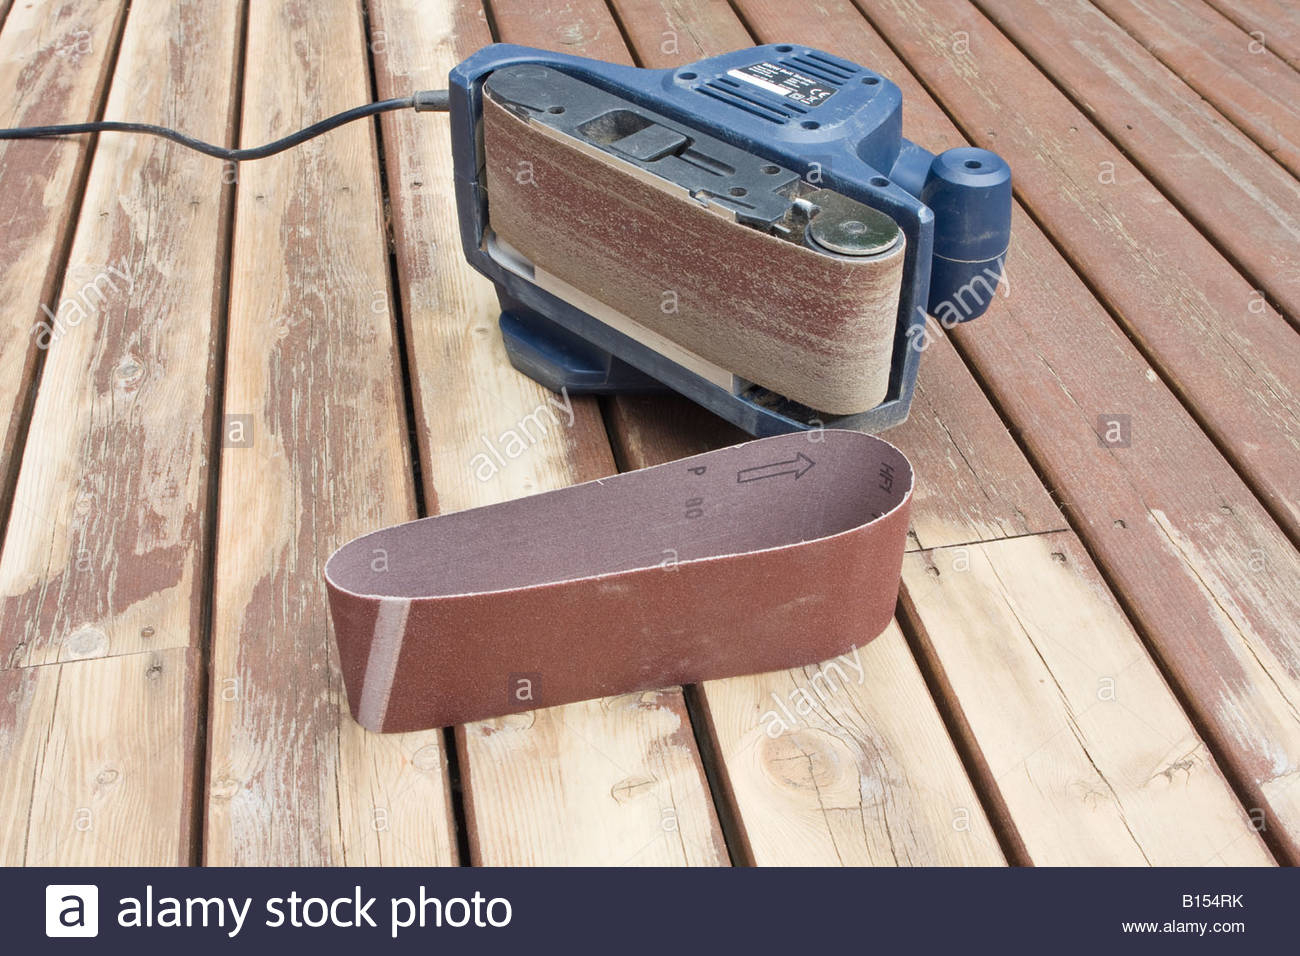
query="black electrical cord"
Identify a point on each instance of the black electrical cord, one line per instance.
(424, 101)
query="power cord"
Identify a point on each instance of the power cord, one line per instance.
(424, 101)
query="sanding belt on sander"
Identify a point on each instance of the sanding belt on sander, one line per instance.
(772, 554)
(815, 327)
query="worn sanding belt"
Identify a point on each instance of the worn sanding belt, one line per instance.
(776, 553)
(814, 328)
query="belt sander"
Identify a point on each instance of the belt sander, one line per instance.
(751, 230)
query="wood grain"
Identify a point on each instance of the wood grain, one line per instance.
(97, 761)
(104, 556)
(1200, 325)
(1210, 170)
(1210, 582)
(1244, 80)
(123, 413)
(1274, 23)
(612, 782)
(312, 368)
(861, 775)
(54, 68)
(1074, 726)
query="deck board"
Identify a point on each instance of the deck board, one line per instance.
(104, 573)
(1275, 24)
(1244, 80)
(1236, 194)
(312, 369)
(54, 67)
(1152, 268)
(1095, 654)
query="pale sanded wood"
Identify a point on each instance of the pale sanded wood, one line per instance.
(97, 761)
(1173, 529)
(1074, 725)
(54, 65)
(1211, 170)
(1244, 80)
(847, 762)
(1275, 23)
(613, 781)
(1197, 320)
(312, 363)
(104, 554)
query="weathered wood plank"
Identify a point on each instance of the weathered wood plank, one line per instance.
(1273, 23)
(1209, 169)
(105, 551)
(1208, 579)
(54, 66)
(868, 774)
(973, 484)
(847, 762)
(611, 781)
(1197, 321)
(312, 377)
(1238, 74)
(98, 761)
(1074, 726)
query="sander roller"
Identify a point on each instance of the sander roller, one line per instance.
(751, 231)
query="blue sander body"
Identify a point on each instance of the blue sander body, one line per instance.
(829, 129)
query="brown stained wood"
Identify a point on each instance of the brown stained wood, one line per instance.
(312, 369)
(1074, 726)
(54, 66)
(1244, 80)
(97, 761)
(1273, 23)
(1223, 182)
(104, 555)
(1201, 325)
(1208, 579)
(609, 781)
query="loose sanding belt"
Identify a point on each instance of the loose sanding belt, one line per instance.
(777, 553)
(815, 328)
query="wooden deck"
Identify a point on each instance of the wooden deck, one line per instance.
(1096, 657)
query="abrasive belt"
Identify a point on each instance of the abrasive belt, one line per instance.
(815, 328)
(777, 553)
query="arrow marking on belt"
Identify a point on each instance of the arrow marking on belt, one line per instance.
(795, 466)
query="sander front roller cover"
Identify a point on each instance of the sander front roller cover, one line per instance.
(773, 554)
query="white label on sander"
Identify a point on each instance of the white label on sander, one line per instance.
(785, 82)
